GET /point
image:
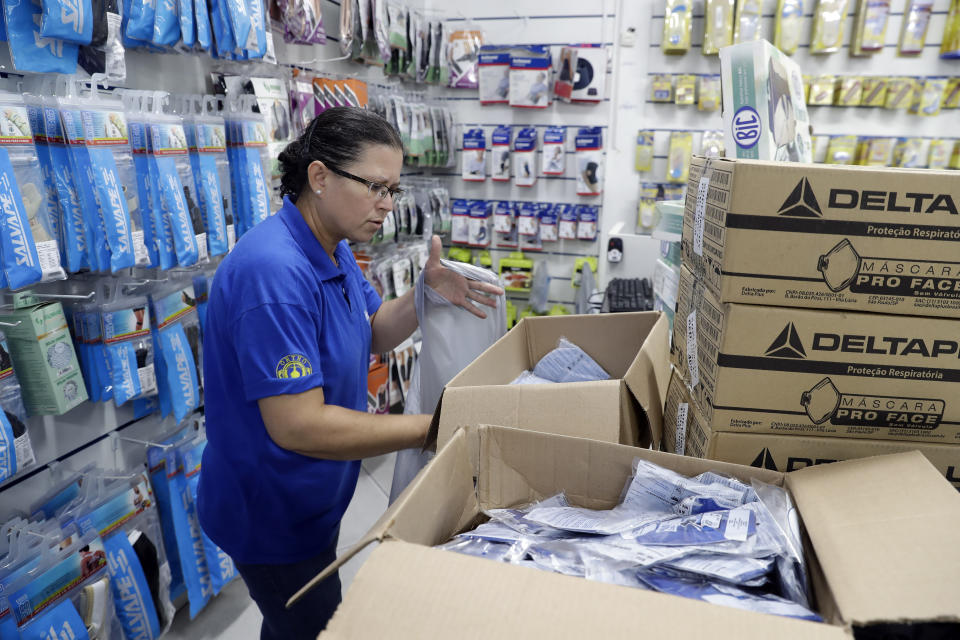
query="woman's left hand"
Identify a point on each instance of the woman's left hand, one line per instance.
(454, 287)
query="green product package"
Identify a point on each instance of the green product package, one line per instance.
(45, 359)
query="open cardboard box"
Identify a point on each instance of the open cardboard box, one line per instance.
(632, 347)
(882, 548)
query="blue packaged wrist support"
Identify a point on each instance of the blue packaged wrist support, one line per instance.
(21, 264)
(180, 370)
(207, 142)
(188, 26)
(68, 20)
(140, 25)
(140, 149)
(131, 594)
(62, 621)
(186, 526)
(73, 228)
(157, 468)
(202, 20)
(166, 24)
(221, 566)
(82, 170)
(129, 349)
(31, 51)
(168, 148)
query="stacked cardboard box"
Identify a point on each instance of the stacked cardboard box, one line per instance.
(834, 251)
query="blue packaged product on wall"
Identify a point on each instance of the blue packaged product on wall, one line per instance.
(94, 231)
(589, 144)
(474, 167)
(61, 621)
(21, 264)
(8, 449)
(237, 15)
(180, 370)
(168, 146)
(158, 470)
(131, 594)
(207, 142)
(73, 228)
(161, 223)
(140, 25)
(35, 114)
(554, 151)
(30, 50)
(221, 566)
(140, 149)
(67, 20)
(193, 561)
(254, 142)
(257, 41)
(188, 25)
(129, 349)
(166, 24)
(530, 77)
(500, 151)
(202, 19)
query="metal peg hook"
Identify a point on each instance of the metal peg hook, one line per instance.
(148, 443)
(11, 324)
(65, 296)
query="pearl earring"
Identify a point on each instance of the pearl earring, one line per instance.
(319, 191)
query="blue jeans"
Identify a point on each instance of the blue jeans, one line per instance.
(271, 585)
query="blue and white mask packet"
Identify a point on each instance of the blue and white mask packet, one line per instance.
(569, 363)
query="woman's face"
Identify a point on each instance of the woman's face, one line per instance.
(349, 208)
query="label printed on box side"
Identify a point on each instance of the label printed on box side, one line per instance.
(681, 441)
(700, 212)
(693, 364)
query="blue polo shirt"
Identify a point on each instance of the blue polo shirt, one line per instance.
(282, 318)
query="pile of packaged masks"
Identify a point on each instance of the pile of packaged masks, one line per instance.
(710, 538)
(566, 363)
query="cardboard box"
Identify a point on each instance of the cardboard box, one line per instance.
(686, 433)
(44, 359)
(828, 237)
(631, 347)
(862, 572)
(808, 372)
(764, 110)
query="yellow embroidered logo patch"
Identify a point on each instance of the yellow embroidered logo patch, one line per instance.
(294, 366)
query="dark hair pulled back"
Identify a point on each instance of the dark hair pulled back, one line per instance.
(336, 137)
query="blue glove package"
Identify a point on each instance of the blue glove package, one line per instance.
(31, 51)
(67, 20)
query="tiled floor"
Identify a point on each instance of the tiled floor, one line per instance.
(233, 615)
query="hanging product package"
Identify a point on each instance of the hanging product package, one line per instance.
(950, 46)
(589, 144)
(67, 20)
(140, 21)
(174, 309)
(221, 567)
(676, 27)
(257, 40)
(115, 178)
(189, 536)
(302, 21)
(530, 68)
(554, 148)
(463, 56)
(524, 157)
(479, 224)
(548, 223)
(474, 160)
(105, 53)
(870, 29)
(97, 350)
(31, 51)
(201, 17)
(16, 451)
(174, 184)
(460, 225)
(500, 151)
(207, 140)
(569, 216)
(26, 228)
(187, 22)
(96, 254)
(787, 28)
(828, 25)
(67, 594)
(494, 74)
(748, 25)
(55, 217)
(166, 23)
(129, 350)
(913, 34)
(137, 125)
(127, 520)
(246, 146)
(718, 29)
(587, 222)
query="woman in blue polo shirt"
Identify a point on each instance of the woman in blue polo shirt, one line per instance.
(290, 326)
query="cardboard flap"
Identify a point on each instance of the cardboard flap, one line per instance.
(648, 378)
(408, 591)
(522, 466)
(885, 530)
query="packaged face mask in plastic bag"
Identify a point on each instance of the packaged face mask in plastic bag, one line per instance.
(29, 49)
(569, 363)
(189, 536)
(168, 149)
(126, 335)
(111, 159)
(554, 146)
(221, 566)
(589, 144)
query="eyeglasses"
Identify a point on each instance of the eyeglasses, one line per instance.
(381, 190)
